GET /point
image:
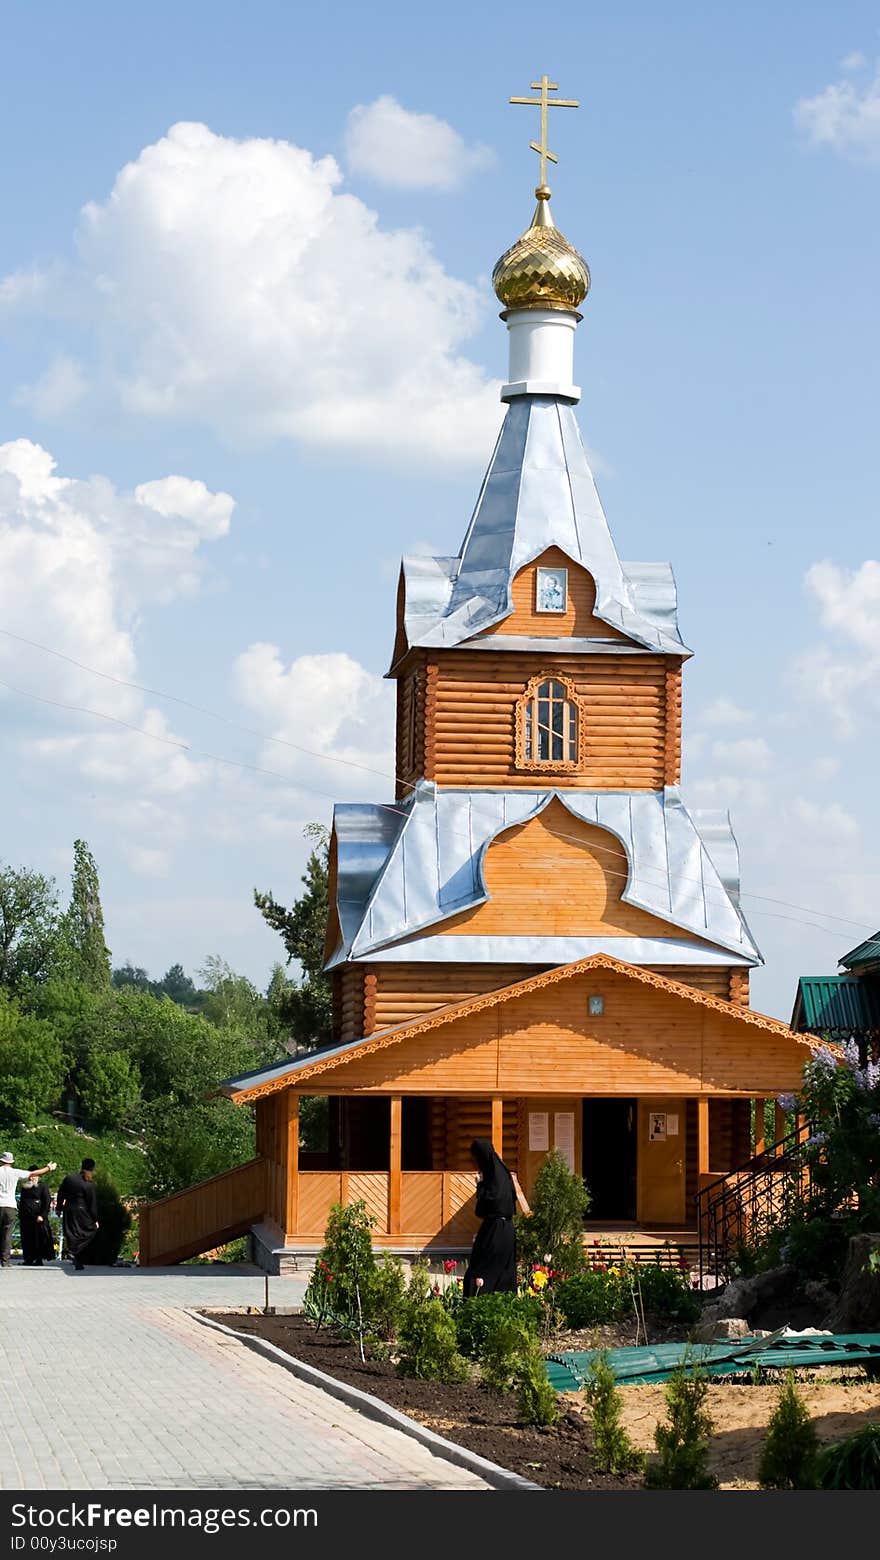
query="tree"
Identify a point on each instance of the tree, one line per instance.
(553, 1231)
(31, 1064)
(306, 1006)
(129, 974)
(791, 1445)
(109, 1088)
(83, 924)
(177, 985)
(28, 926)
(230, 999)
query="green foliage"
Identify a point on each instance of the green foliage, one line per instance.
(682, 1461)
(593, 1298)
(852, 1464)
(304, 1008)
(536, 1400)
(28, 926)
(109, 1088)
(788, 1455)
(114, 1222)
(190, 1140)
(230, 1000)
(666, 1293)
(86, 955)
(613, 1451)
(122, 1161)
(385, 1296)
(479, 1316)
(344, 1282)
(503, 1349)
(314, 1115)
(553, 1232)
(428, 1344)
(31, 1064)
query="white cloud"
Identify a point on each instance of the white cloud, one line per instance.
(409, 151)
(844, 116)
(235, 284)
(752, 754)
(57, 391)
(322, 704)
(854, 61)
(849, 600)
(724, 712)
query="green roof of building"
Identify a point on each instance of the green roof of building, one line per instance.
(867, 953)
(841, 1003)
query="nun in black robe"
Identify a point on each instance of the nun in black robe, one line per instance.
(77, 1202)
(34, 1203)
(493, 1256)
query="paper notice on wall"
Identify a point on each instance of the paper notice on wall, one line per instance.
(671, 1126)
(563, 1135)
(539, 1131)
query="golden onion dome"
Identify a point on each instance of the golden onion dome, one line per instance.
(542, 270)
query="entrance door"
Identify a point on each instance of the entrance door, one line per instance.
(609, 1157)
(661, 1186)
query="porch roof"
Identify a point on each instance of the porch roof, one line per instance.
(281, 1075)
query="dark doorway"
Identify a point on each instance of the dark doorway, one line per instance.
(609, 1159)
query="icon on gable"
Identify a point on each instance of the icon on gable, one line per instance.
(551, 590)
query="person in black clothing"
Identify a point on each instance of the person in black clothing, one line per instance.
(77, 1202)
(34, 1203)
(493, 1257)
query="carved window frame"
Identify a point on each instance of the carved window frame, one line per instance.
(528, 699)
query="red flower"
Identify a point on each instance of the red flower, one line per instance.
(450, 1265)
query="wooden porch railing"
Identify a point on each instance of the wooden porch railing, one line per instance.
(203, 1216)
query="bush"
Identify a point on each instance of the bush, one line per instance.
(613, 1451)
(109, 1087)
(344, 1278)
(682, 1461)
(594, 1297)
(481, 1315)
(553, 1231)
(385, 1298)
(537, 1402)
(853, 1464)
(428, 1344)
(788, 1456)
(503, 1349)
(114, 1222)
(667, 1293)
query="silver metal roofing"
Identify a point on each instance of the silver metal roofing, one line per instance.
(552, 951)
(538, 492)
(404, 869)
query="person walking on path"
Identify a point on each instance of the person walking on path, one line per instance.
(9, 1179)
(77, 1202)
(492, 1266)
(34, 1204)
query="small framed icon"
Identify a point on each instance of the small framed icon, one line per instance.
(657, 1126)
(596, 1006)
(551, 590)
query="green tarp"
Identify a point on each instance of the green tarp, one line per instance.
(778, 1351)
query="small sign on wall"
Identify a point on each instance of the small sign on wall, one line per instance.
(657, 1126)
(563, 1135)
(671, 1126)
(539, 1131)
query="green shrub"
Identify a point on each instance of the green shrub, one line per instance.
(31, 1064)
(553, 1231)
(428, 1344)
(853, 1464)
(344, 1277)
(613, 1451)
(682, 1461)
(503, 1349)
(114, 1222)
(480, 1315)
(666, 1293)
(594, 1297)
(109, 1087)
(385, 1298)
(537, 1402)
(788, 1456)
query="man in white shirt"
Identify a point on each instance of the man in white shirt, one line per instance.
(9, 1179)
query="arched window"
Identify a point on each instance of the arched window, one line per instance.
(548, 726)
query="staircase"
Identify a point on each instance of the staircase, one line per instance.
(744, 1206)
(203, 1216)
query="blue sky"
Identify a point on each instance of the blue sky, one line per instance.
(317, 341)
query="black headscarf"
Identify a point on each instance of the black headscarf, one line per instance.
(496, 1198)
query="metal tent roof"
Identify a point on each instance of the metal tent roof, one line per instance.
(865, 956)
(839, 1003)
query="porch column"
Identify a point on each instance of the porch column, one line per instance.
(779, 1123)
(498, 1127)
(702, 1137)
(394, 1165)
(760, 1139)
(291, 1201)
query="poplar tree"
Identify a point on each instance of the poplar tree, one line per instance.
(87, 951)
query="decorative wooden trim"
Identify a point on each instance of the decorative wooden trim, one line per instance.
(430, 737)
(672, 754)
(370, 979)
(548, 766)
(489, 999)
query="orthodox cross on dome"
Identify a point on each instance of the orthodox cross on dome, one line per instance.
(545, 86)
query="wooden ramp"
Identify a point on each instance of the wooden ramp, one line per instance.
(203, 1216)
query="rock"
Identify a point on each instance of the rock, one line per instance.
(820, 1297)
(745, 1296)
(858, 1304)
(722, 1327)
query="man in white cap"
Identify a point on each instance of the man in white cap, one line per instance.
(9, 1179)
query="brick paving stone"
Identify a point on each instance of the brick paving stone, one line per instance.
(107, 1382)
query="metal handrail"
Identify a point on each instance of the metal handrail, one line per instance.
(754, 1196)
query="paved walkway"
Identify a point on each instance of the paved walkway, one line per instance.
(107, 1383)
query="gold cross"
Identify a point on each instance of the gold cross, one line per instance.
(545, 87)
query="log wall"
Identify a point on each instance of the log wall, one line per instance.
(577, 622)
